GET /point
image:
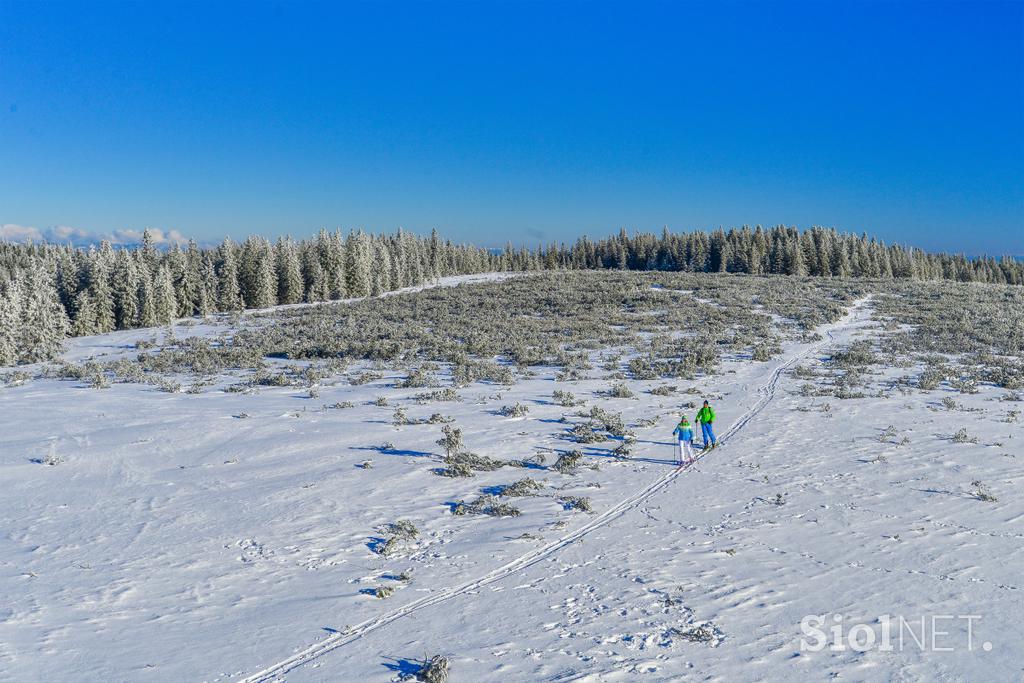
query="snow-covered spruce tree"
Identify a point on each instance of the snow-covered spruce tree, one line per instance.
(100, 268)
(84, 322)
(397, 265)
(125, 291)
(358, 264)
(289, 272)
(206, 295)
(411, 258)
(229, 293)
(10, 320)
(45, 323)
(165, 305)
(317, 288)
(176, 264)
(148, 251)
(69, 276)
(332, 258)
(147, 302)
(189, 290)
(435, 255)
(381, 273)
(257, 278)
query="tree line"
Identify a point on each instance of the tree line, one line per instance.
(49, 292)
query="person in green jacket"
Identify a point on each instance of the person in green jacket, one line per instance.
(705, 417)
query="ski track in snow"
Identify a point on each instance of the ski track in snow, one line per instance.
(767, 392)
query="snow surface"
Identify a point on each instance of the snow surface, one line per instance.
(183, 541)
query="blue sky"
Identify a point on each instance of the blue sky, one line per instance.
(520, 121)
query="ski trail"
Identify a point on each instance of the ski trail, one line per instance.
(336, 640)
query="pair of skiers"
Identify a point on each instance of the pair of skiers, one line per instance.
(684, 432)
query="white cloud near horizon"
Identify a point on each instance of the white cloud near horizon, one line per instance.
(79, 237)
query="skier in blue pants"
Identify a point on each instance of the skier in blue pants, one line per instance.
(706, 416)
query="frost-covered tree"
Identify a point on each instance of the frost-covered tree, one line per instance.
(165, 304)
(44, 321)
(85, 314)
(206, 295)
(358, 264)
(381, 268)
(125, 291)
(331, 248)
(147, 302)
(229, 293)
(189, 290)
(289, 272)
(101, 266)
(10, 321)
(317, 288)
(257, 278)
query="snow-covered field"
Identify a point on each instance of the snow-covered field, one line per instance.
(225, 536)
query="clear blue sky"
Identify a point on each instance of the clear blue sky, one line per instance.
(516, 120)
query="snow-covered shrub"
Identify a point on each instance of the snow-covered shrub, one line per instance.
(395, 535)
(446, 394)
(887, 434)
(364, 378)
(455, 469)
(858, 354)
(568, 462)
(480, 463)
(523, 487)
(517, 410)
(930, 379)
(765, 350)
(99, 380)
(663, 390)
(576, 503)
(452, 440)
(586, 432)
(961, 436)
(416, 379)
(643, 368)
(51, 458)
(705, 632)
(434, 670)
(965, 385)
(608, 421)
(565, 398)
(982, 493)
(623, 450)
(168, 385)
(16, 378)
(486, 505)
(620, 390)
(342, 405)
(402, 529)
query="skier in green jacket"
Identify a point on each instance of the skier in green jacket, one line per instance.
(706, 416)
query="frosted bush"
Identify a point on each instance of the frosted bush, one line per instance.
(517, 410)
(568, 462)
(523, 487)
(620, 390)
(576, 503)
(961, 436)
(565, 398)
(434, 670)
(452, 440)
(486, 505)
